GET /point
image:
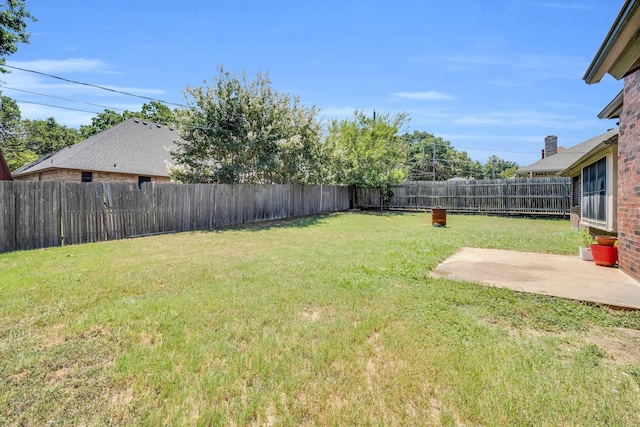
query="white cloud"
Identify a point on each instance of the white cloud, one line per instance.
(527, 139)
(38, 83)
(64, 117)
(529, 64)
(62, 65)
(425, 96)
(521, 118)
(64, 98)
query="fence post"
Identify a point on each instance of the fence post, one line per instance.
(506, 196)
(565, 200)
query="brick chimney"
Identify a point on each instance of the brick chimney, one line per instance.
(550, 145)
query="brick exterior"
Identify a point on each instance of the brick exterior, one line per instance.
(73, 175)
(629, 178)
(574, 216)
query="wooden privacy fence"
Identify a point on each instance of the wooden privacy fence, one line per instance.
(43, 214)
(548, 196)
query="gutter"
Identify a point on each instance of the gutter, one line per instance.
(577, 166)
(613, 109)
(595, 73)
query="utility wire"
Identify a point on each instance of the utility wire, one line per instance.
(94, 86)
(61, 98)
(56, 106)
(151, 30)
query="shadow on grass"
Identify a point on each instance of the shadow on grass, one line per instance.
(303, 221)
(296, 222)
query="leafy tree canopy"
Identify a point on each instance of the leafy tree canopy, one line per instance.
(367, 151)
(497, 168)
(101, 122)
(13, 25)
(47, 136)
(12, 143)
(156, 112)
(429, 155)
(153, 111)
(244, 131)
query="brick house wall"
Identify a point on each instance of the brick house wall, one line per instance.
(574, 217)
(73, 175)
(629, 178)
(575, 211)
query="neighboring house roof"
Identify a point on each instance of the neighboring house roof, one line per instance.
(601, 144)
(133, 147)
(5, 174)
(557, 163)
(618, 54)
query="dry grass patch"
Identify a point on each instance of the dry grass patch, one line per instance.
(621, 344)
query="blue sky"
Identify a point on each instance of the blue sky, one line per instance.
(492, 77)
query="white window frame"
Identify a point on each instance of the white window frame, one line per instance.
(609, 223)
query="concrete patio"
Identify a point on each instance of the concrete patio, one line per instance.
(565, 276)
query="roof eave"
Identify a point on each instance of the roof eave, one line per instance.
(576, 167)
(610, 58)
(614, 108)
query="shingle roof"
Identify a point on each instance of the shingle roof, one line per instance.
(562, 160)
(132, 147)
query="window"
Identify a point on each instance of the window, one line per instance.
(594, 192)
(87, 177)
(142, 180)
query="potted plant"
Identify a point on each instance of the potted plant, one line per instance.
(605, 252)
(585, 248)
(606, 240)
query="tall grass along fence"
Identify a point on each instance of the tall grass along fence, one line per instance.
(523, 196)
(44, 214)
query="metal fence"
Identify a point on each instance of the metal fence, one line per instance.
(44, 214)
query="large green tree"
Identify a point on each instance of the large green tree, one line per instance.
(367, 151)
(101, 122)
(154, 111)
(23, 141)
(13, 25)
(429, 155)
(47, 136)
(497, 168)
(12, 143)
(238, 130)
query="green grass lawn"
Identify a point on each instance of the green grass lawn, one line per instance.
(330, 320)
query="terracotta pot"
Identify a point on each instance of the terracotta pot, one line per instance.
(606, 256)
(606, 240)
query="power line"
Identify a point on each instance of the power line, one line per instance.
(151, 30)
(449, 144)
(63, 99)
(94, 86)
(55, 106)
